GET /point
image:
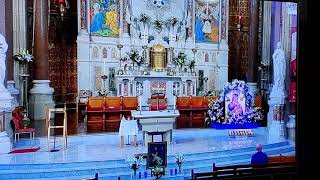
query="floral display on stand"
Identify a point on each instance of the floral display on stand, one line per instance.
(144, 18)
(24, 57)
(234, 107)
(134, 163)
(179, 161)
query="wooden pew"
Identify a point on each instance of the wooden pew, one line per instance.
(283, 171)
(183, 105)
(129, 104)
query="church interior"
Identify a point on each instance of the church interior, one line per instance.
(148, 89)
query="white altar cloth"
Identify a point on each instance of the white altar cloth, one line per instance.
(128, 128)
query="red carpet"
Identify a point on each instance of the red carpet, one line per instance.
(24, 150)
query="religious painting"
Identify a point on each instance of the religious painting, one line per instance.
(157, 152)
(235, 103)
(104, 17)
(207, 21)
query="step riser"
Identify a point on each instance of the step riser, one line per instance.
(187, 167)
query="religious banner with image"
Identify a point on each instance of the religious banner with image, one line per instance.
(104, 17)
(157, 154)
(207, 21)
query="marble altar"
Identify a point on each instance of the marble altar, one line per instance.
(158, 34)
(156, 121)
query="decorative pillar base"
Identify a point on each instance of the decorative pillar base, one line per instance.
(277, 131)
(40, 96)
(291, 126)
(14, 92)
(6, 145)
(6, 136)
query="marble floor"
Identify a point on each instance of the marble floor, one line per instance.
(106, 146)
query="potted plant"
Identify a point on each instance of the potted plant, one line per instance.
(180, 59)
(158, 171)
(24, 58)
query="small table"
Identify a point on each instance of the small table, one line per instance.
(128, 128)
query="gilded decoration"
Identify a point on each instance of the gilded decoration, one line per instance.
(159, 59)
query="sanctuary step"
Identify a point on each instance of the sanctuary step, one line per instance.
(112, 169)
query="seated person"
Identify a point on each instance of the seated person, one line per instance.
(259, 157)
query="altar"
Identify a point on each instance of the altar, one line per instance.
(156, 121)
(149, 48)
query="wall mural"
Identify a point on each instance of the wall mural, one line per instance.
(207, 21)
(104, 17)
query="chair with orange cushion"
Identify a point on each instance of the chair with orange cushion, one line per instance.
(183, 103)
(197, 102)
(129, 103)
(112, 103)
(95, 104)
(17, 119)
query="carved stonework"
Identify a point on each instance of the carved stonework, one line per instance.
(83, 11)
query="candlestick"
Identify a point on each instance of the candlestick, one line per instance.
(140, 102)
(104, 67)
(194, 40)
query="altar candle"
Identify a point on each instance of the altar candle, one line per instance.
(140, 103)
(174, 102)
(194, 40)
(104, 67)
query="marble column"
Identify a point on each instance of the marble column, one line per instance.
(253, 46)
(41, 93)
(266, 42)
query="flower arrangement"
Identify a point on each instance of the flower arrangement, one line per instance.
(172, 21)
(135, 57)
(180, 59)
(158, 171)
(144, 18)
(158, 24)
(179, 161)
(216, 109)
(134, 163)
(24, 57)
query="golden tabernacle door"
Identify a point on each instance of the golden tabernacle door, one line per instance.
(158, 58)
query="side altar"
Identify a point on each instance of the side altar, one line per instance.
(156, 121)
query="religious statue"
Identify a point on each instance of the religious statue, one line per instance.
(3, 50)
(279, 71)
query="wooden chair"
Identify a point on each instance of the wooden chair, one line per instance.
(112, 103)
(17, 118)
(198, 102)
(158, 102)
(183, 103)
(63, 126)
(129, 103)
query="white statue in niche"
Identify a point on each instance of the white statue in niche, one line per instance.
(279, 72)
(3, 49)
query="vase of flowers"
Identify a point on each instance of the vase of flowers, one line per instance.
(180, 60)
(179, 160)
(24, 58)
(135, 57)
(158, 25)
(134, 164)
